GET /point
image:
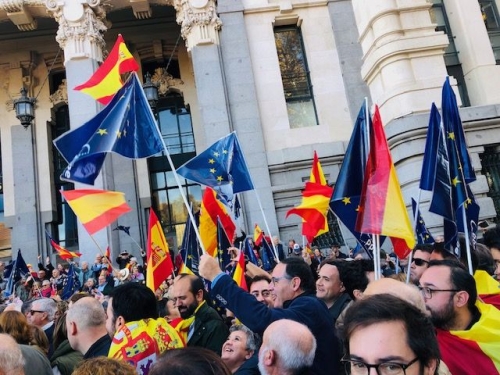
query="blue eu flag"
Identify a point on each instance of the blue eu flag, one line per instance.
(221, 167)
(14, 272)
(125, 126)
(72, 283)
(423, 234)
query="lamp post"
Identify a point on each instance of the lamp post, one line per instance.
(25, 109)
(151, 91)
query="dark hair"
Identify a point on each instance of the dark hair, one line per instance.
(133, 301)
(438, 247)
(333, 262)
(420, 333)
(353, 275)
(460, 279)
(196, 284)
(258, 278)
(296, 267)
(426, 248)
(485, 260)
(491, 237)
(189, 361)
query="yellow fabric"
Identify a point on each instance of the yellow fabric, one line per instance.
(183, 327)
(141, 342)
(485, 283)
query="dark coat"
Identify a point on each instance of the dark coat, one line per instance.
(305, 309)
(210, 331)
(249, 367)
(65, 358)
(100, 348)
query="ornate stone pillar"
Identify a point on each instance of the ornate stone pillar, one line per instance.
(81, 27)
(199, 22)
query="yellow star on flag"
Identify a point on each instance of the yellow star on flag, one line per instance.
(451, 135)
(216, 154)
(219, 178)
(102, 132)
(211, 161)
(224, 152)
(346, 200)
(118, 134)
(455, 181)
(212, 170)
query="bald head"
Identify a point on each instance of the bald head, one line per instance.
(86, 323)
(297, 355)
(409, 293)
(11, 357)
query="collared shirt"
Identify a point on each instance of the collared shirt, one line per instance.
(48, 325)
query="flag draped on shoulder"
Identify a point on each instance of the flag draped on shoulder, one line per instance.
(106, 80)
(221, 167)
(159, 262)
(96, 209)
(382, 209)
(126, 126)
(347, 190)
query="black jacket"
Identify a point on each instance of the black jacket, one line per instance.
(210, 331)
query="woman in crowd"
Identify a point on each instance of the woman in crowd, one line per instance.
(15, 324)
(239, 349)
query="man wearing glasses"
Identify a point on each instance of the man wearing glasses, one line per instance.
(293, 286)
(420, 260)
(42, 315)
(391, 336)
(468, 330)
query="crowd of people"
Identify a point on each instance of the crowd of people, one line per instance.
(315, 312)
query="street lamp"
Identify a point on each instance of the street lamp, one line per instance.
(25, 109)
(151, 91)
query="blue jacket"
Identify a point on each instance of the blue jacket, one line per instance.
(305, 309)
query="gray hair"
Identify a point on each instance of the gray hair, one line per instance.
(11, 357)
(88, 312)
(47, 305)
(252, 340)
(295, 347)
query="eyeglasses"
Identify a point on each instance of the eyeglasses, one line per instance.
(33, 312)
(274, 280)
(427, 292)
(356, 367)
(263, 293)
(420, 262)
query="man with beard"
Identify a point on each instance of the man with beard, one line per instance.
(467, 329)
(202, 325)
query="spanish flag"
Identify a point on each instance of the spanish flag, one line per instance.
(476, 350)
(382, 210)
(239, 271)
(258, 235)
(211, 209)
(96, 209)
(106, 80)
(488, 289)
(159, 262)
(317, 174)
(64, 253)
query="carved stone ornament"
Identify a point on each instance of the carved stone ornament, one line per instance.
(81, 27)
(61, 95)
(165, 81)
(19, 14)
(199, 21)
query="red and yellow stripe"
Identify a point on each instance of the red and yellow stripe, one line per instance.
(96, 209)
(239, 272)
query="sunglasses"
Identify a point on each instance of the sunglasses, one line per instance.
(420, 262)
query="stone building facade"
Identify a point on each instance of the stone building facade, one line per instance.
(289, 76)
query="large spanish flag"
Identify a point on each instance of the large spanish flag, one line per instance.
(488, 289)
(211, 209)
(476, 350)
(96, 209)
(382, 210)
(159, 262)
(106, 80)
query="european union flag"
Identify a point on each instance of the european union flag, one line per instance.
(221, 167)
(248, 249)
(453, 125)
(436, 168)
(223, 244)
(267, 256)
(189, 248)
(18, 269)
(471, 210)
(125, 126)
(347, 189)
(72, 283)
(423, 234)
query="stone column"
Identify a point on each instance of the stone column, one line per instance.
(403, 61)
(482, 75)
(81, 27)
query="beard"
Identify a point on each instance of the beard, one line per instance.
(444, 319)
(187, 311)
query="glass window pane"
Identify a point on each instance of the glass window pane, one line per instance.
(168, 122)
(194, 197)
(301, 114)
(158, 181)
(178, 209)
